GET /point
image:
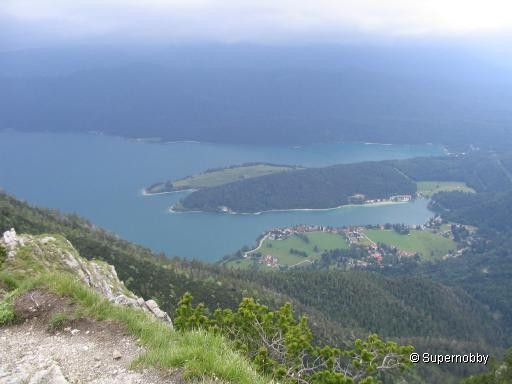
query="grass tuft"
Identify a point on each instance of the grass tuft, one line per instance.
(58, 321)
(7, 314)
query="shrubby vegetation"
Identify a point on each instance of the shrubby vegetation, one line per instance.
(280, 345)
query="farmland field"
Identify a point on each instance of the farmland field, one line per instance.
(314, 246)
(429, 188)
(216, 177)
(428, 244)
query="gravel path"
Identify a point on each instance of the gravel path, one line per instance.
(87, 352)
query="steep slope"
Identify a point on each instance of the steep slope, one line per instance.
(486, 266)
(60, 315)
(399, 307)
(31, 255)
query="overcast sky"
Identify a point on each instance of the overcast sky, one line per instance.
(26, 23)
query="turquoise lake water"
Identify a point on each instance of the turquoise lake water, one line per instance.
(101, 178)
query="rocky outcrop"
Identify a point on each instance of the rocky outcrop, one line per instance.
(11, 241)
(55, 253)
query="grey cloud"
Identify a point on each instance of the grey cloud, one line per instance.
(249, 20)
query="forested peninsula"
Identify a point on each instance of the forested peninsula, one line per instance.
(338, 185)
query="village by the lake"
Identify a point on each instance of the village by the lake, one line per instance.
(354, 246)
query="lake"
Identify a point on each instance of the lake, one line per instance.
(101, 178)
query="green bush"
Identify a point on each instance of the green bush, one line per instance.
(7, 315)
(280, 345)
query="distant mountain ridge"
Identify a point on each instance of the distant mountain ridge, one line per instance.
(258, 95)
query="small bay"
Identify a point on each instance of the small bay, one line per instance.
(101, 178)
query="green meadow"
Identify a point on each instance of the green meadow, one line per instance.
(431, 246)
(314, 246)
(216, 177)
(429, 188)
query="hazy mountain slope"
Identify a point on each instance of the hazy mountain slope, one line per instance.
(262, 95)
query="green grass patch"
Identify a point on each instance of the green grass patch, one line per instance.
(199, 353)
(429, 188)
(58, 321)
(3, 254)
(218, 177)
(7, 315)
(244, 264)
(429, 245)
(318, 242)
(8, 280)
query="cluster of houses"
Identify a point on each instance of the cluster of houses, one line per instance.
(269, 261)
(394, 199)
(284, 233)
(354, 236)
(375, 252)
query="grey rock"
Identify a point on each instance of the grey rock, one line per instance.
(155, 309)
(52, 374)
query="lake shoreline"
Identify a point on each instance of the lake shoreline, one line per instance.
(381, 203)
(107, 188)
(144, 192)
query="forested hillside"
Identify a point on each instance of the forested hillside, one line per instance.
(484, 269)
(480, 171)
(401, 307)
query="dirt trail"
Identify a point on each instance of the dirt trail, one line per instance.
(87, 352)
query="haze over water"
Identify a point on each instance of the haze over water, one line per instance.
(101, 178)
